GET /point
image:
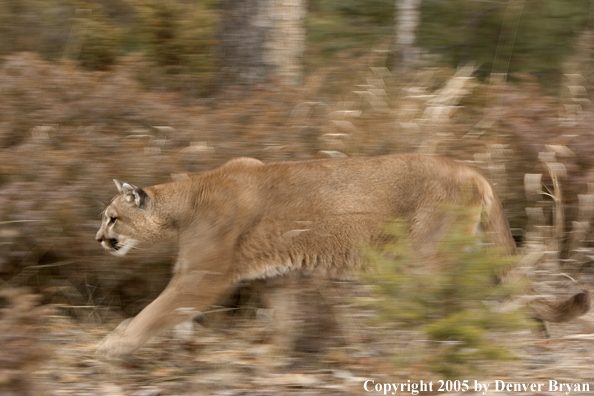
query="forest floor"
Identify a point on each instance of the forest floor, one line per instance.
(231, 356)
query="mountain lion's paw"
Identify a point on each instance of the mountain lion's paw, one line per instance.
(117, 344)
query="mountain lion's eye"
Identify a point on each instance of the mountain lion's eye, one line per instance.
(112, 219)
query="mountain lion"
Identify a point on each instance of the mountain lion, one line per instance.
(247, 220)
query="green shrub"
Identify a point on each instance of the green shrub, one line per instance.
(180, 41)
(455, 306)
(100, 42)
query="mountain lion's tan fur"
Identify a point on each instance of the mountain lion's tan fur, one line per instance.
(246, 220)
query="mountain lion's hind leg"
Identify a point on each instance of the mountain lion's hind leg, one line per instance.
(427, 229)
(184, 297)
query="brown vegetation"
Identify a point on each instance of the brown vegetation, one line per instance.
(66, 133)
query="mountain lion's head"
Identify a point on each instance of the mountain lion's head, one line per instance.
(125, 221)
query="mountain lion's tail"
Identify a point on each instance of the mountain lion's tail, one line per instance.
(496, 227)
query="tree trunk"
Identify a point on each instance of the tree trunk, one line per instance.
(407, 19)
(262, 40)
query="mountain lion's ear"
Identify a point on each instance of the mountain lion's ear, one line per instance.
(140, 197)
(132, 192)
(119, 185)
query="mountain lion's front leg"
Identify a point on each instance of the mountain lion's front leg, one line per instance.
(185, 297)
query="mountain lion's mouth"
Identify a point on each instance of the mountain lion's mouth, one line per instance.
(110, 244)
(118, 247)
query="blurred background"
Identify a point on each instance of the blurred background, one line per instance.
(149, 91)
